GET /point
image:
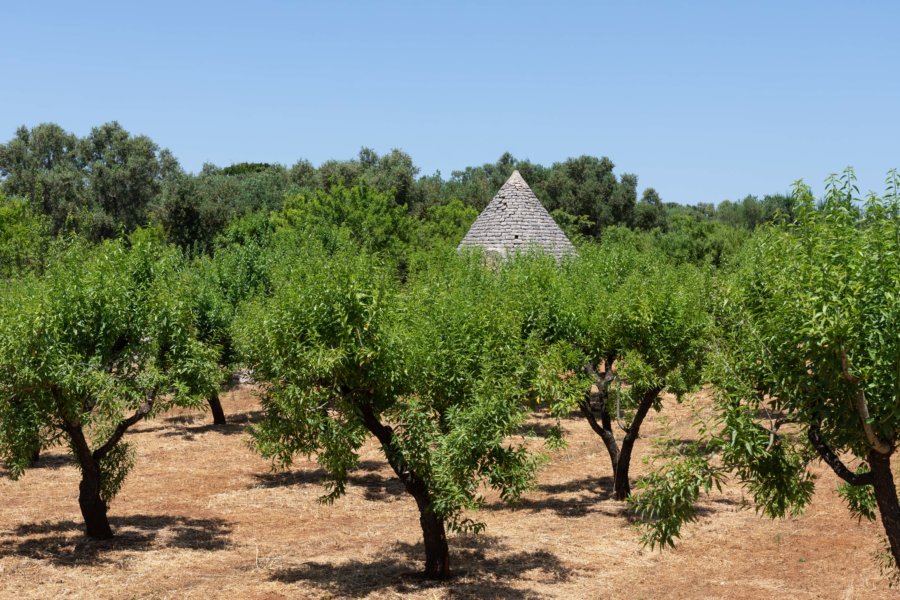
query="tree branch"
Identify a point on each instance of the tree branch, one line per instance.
(814, 433)
(122, 427)
(385, 435)
(862, 408)
(591, 419)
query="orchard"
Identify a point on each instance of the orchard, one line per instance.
(343, 294)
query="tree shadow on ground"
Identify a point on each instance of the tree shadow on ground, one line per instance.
(375, 486)
(53, 461)
(689, 445)
(481, 567)
(539, 429)
(590, 495)
(64, 543)
(572, 499)
(189, 426)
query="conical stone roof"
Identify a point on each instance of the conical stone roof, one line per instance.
(515, 220)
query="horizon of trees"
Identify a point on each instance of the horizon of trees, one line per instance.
(110, 182)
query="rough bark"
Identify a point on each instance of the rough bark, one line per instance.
(886, 498)
(93, 507)
(594, 404)
(603, 428)
(123, 426)
(622, 486)
(437, 553)
(215, 406)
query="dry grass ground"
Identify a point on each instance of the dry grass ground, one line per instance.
(201, 516)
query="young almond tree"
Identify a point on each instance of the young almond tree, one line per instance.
(432, 371)
(632, 315)
(103, 339)
(818, 341)
(809, 361)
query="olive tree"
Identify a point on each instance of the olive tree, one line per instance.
(432, 371)
(103, 339)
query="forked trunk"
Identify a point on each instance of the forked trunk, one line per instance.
(603, 427)
(886, 497)
(621, 485)
(215, 406)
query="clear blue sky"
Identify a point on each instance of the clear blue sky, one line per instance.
(702, 100)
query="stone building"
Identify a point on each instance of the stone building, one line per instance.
(515, 220)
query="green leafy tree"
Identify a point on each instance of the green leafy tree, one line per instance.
(361, 214)
(103, 339)
(620, 326)
(700, 240)
(814, 345)
(24, 237)
(808, 364)
(445, 225)
(239, 270)
(649, 213)
(752, 212)
(587, 186)
(433, 372)
(195, 209)
(124, 174)
(393, 173)
(96, 185)
(42, 165)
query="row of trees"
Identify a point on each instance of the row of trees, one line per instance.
(440, 360)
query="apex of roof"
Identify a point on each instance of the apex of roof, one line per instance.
(515, 220)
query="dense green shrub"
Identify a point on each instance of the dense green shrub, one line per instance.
(24, 238)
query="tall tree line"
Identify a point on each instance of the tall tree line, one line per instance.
(110, 182)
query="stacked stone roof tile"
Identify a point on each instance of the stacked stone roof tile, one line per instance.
(514, 221)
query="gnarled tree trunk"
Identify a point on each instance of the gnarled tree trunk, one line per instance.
(619, 457)
(622, 486)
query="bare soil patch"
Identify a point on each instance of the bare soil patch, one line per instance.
(201, 516)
